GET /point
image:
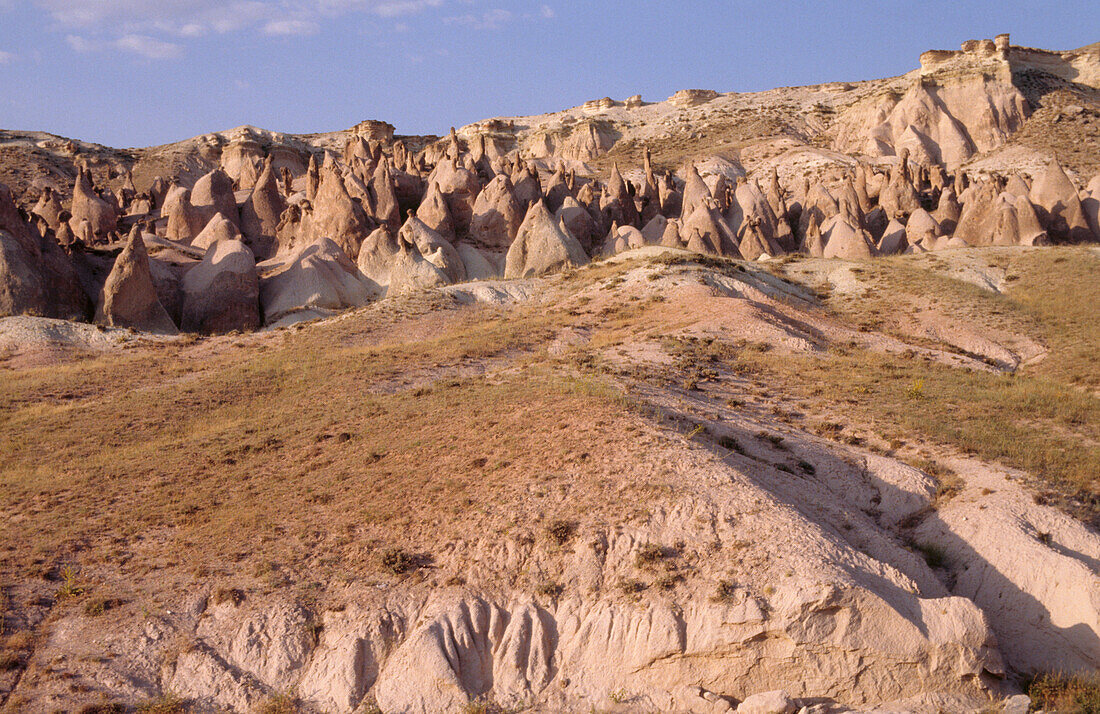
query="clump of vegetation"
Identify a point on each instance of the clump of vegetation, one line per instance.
(230, 595)
(166, 703)
(277, 704)
(561, 531)
(99, 605)
(71, 586)
(1067, 694)
(398, 561)
(551, 589)
(725, 591)
(934, 556)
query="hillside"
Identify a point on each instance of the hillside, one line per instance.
(769, 403)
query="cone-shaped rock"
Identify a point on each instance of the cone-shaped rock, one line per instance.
(317, 280)
(497, 214)
(542, 246)
(129, 298)
(222, 293)
(433, 247)
(579, 222)
(335, 215)
(435, 214)
(88, 205)
(846, 241)
(261, 212)
(218, 229)
(376, 256)
(214, 194)
(1059, 207)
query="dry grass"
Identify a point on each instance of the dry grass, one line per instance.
(1045, 419)
(1065, 694)
(162, 459)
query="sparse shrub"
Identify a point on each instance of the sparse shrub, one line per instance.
(1068, 694)
(10, 661)
(397, 561)
(164, 704)
(916, 389)
(97, 606)
(71, 587)
(561, 531)
(649, 554)
(726, 590)
(224, 595)
(630, 586)
(277, 704)
(619, 696)
(102, 708)
(934, 555)
(807, 468)
(550, 589)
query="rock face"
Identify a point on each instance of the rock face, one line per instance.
(222, 293)
(129, 298)
(1059, 206)
(36, 276)
(317, 280)
(542, 246)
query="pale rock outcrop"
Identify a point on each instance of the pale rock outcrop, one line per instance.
(261, 213)
(654, 230)
(411, 271)
(376, 257)
(460, 187)
(579, 222)
(384, 195)
(90, 206)
(218, 229)
(335, 215)
(185, 221)
(434, 213)
(497, 214)
(36, 276)
(129, 298)
(922, 227)
(478, 266)
(893, 241)
(899, 198)
(433, 247)
(1059, 207)
(317, 280)
(222, 293)
(695, 193)
(213, 193)
(541, 246)
(777, 702)
(712, 229)
(671, 237)
(846, 241)
(49, 208)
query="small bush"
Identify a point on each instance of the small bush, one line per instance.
(223, 595)
(807, 468)
(104, 708)
(164, 704)
(726, 590)
(550, 589)
(560, 531)
(397, 561)
(916, 389)
(277, 704)
(10, 661)
(1064, 693)
(934, 555)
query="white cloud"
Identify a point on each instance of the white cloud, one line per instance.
(148, 47)
(489, 20)
(291, 27)
(160, 29)
(6, 57)
(80, 44)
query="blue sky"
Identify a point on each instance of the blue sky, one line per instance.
(142, 72)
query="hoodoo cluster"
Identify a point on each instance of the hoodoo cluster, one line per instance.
(275, 245)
